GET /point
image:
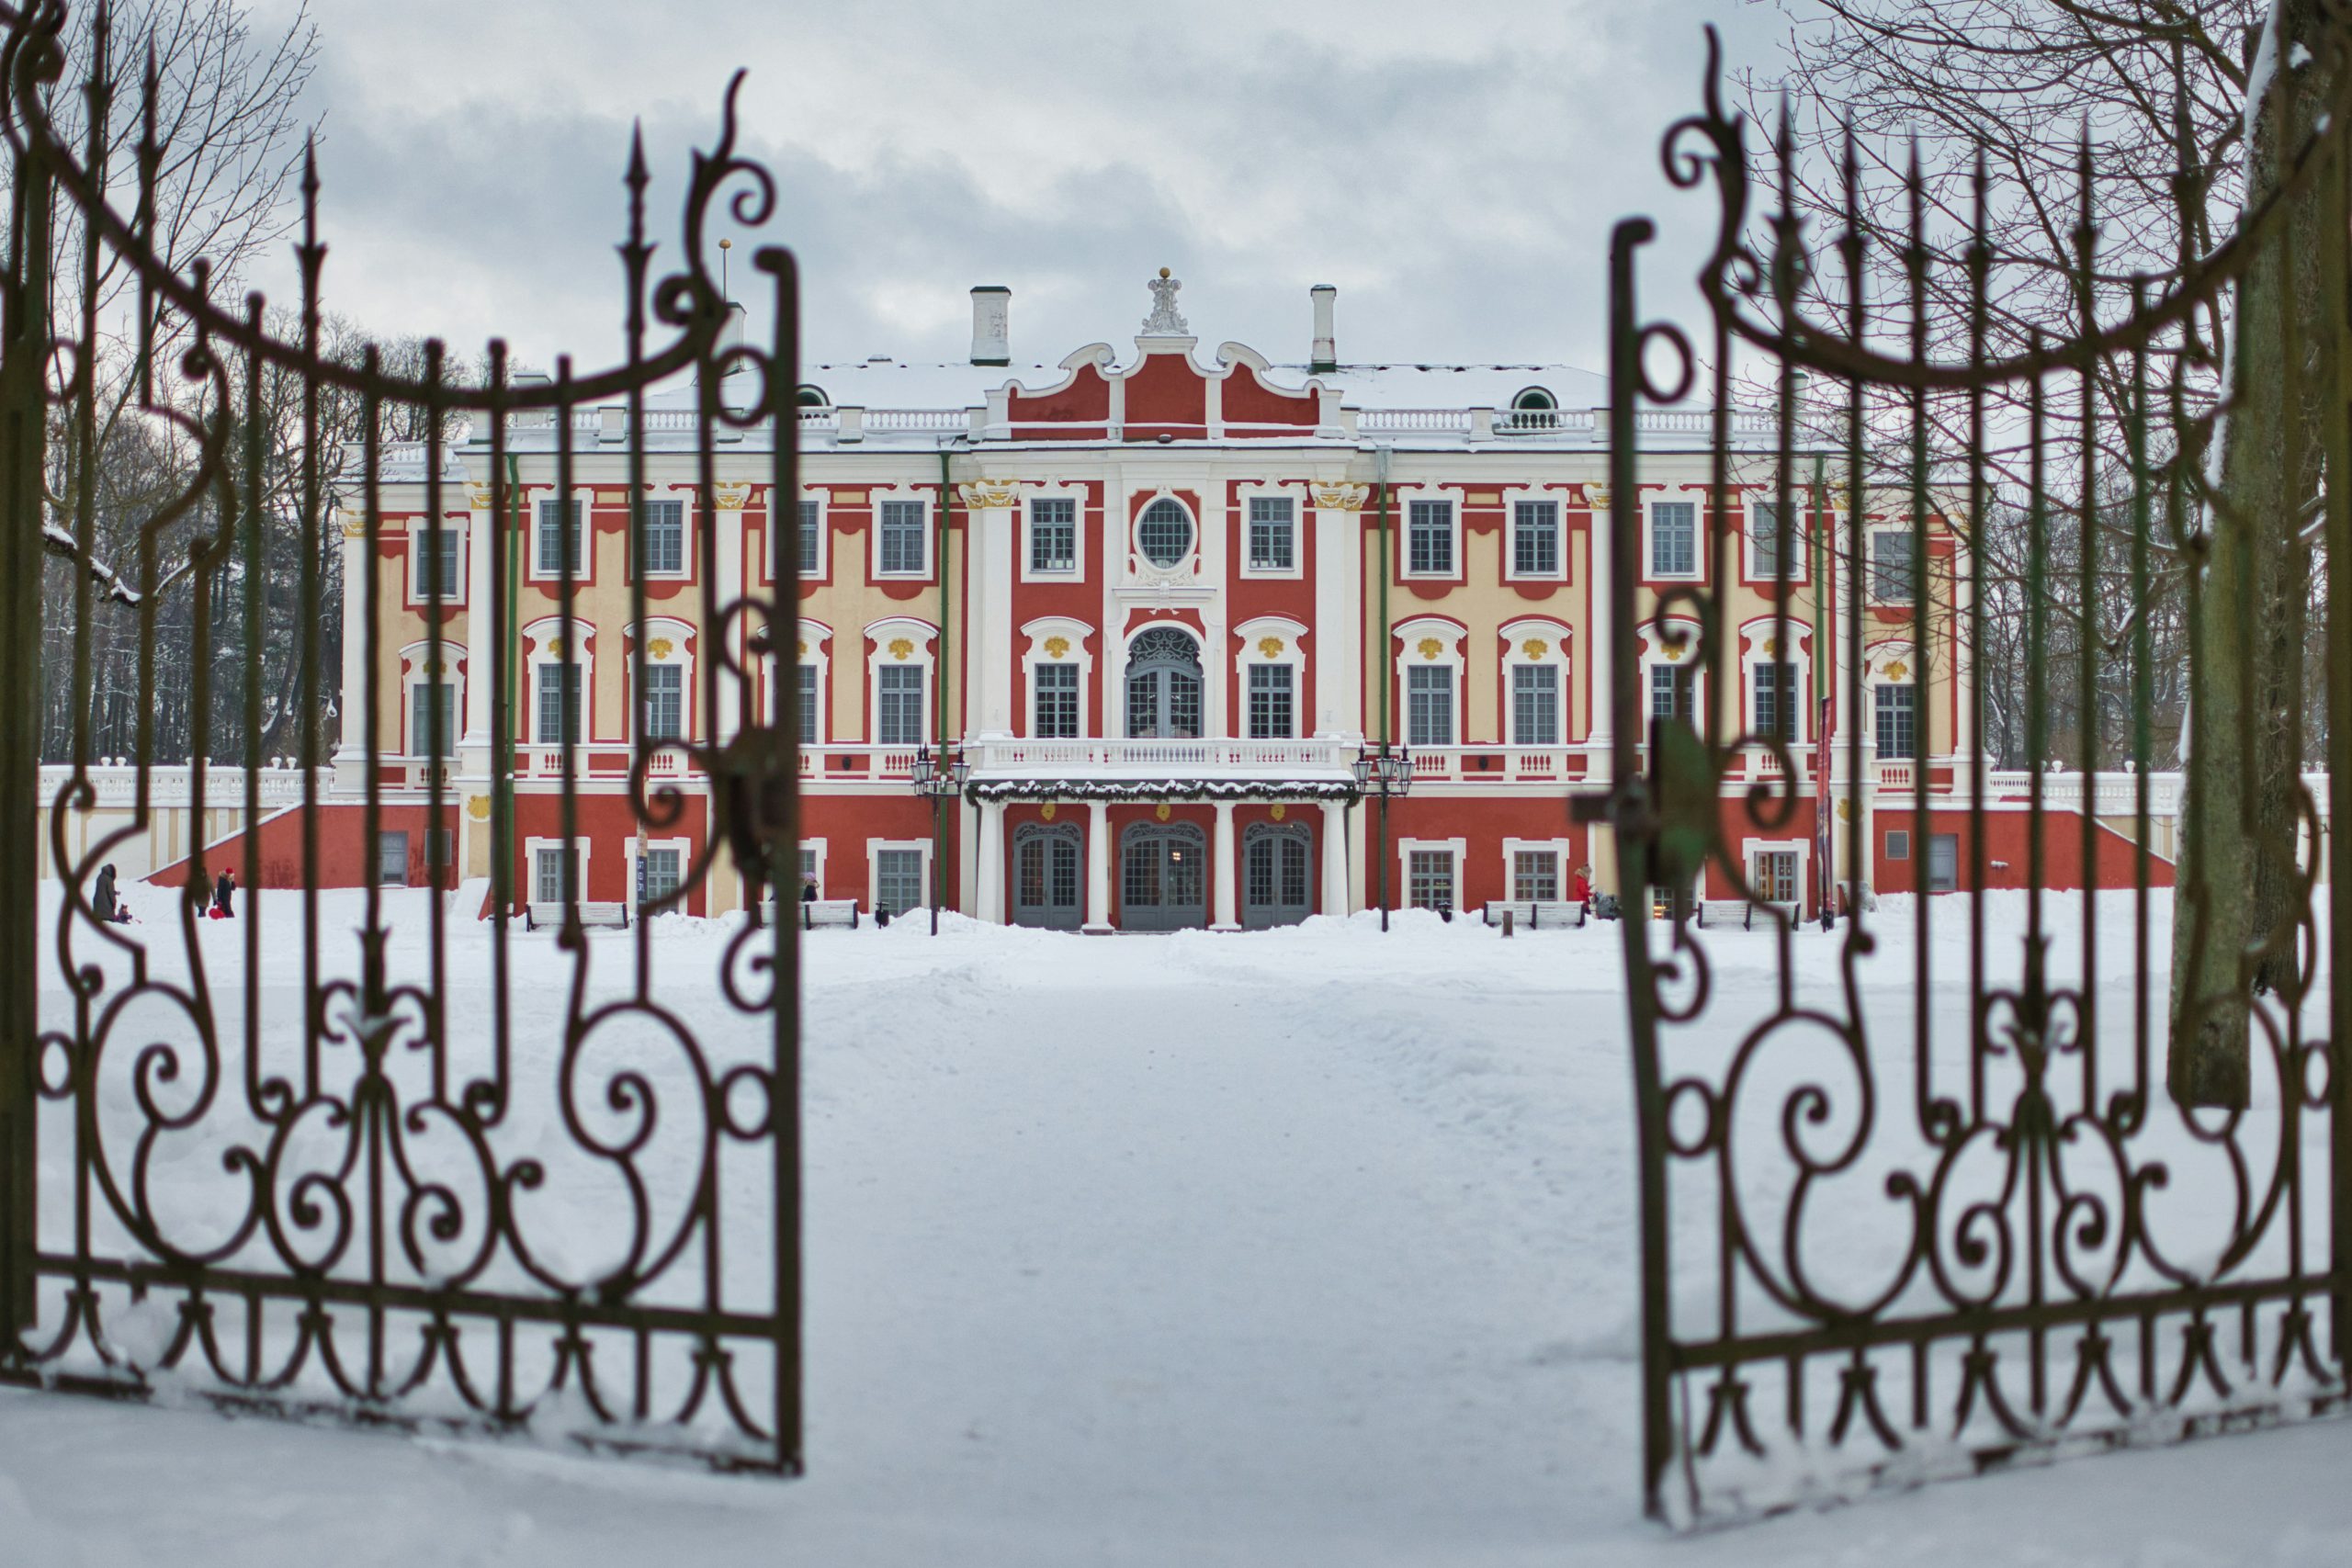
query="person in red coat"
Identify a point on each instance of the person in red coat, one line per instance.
(1580, 886)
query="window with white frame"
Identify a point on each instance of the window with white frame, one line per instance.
(665, 701)
(1054, 691)
(1273, 533)
(436, 562)
(808, 704)
(1895, 566)
(1674, 538)
(1776, 700)
(1052, 533)
(432, 706)
(1671, 693)
(1898, 718)
(1768, 542)
(1535, 539)
(1535, 704)
(897, 880)
(1428, 705)
(659, 873)
(1428, 879)
(558, 719)
(812, 864)
(555, 873)
(812, 540)
(666, 539)
(1429, 538)
(562, 537)
(1270, 701)
(901, 546)
(898, 704)
(1164, 534)
(1536, 876)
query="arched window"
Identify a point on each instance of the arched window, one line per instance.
(1533, 408)
(1165, 532)
(1162, 881)
(1045, 861)
(813, 398)
(1164, 686)
(1534, 398)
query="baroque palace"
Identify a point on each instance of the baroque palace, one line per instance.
(1151, 617)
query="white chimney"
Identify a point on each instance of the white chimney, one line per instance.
(991, 324)
(1325, 357)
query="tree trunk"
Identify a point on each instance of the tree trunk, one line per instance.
(2233, 925)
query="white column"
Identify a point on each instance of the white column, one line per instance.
(1335, 858)
(1598, 663)
(990, 905)
(727, 515)
(351, 702)
(1338, 609)
(990, 508)
(1221, 869)
(1097, 867)
(480, 656)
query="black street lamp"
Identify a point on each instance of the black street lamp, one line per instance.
(1385, 773)
(939, 784)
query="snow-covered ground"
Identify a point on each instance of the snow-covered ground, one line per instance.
(1306, 1248)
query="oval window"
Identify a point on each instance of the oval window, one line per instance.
(1165, 534)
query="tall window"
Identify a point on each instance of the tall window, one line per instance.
(1428, 705)
(666, 539)
(1898, 734)
(808, 704)
(1273, 533)
(902, 539)
(1674, 538)
(899, 721)
(1053, 534)
(1669, 692)
(1163, 685)
(1428, 879)
(562, 534)
(1893, 566)
(436, 563)
(431, 706)
(558, 704)
(1535, 704)
(897, 880)
(1776, 701)
(657, 875)
(1535, 539)
(1767, 539)
(1536, 876)
(665, 705)
(812, 552)
(555, 875)
(1270, 701)
(1056, 686)
(1429, 538)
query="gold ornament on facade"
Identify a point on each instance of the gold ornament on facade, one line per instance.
(1055, 647)
(479, 497)
(804, 648)
(1597, 497)
(1340, 497)
(900, 648)
(730, 498)
(1771, 645)
(1046, 812)
(1845, 810)
(355, 522)
(1535, 647)
(660, 646)
(555, 648)
(991, 495)
(1430, 648)
(1278, 811)
(1270, 646)
(1897, 671)
(478, 808)
(1674, 652)
(1163, 811)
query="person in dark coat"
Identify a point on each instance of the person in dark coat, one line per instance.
(808, 888)
(102, 896)
(224, 896)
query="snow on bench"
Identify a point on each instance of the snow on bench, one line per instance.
(1534, 915)
(817, 914)
(602, 917)
(1716, 913)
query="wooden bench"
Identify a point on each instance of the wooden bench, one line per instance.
(818, 914)
(1717, 914)
(1534, 915)
(595, 916)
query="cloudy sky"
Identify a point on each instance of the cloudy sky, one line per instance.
(1453, 169)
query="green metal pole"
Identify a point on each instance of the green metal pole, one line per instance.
(939, 700)
(1821, 682)
(1387, 737)
(509, 559)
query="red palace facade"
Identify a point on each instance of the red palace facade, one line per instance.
(1158, 604)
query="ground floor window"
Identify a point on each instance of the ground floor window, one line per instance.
(1943, 863)
(1776, 876)
(1536, 876)
(897, 880)
(1162, 879)
(1428, 879)
(657, 875)
(1277, 879)
(391, 859)
(1045, 877)
(552, 869)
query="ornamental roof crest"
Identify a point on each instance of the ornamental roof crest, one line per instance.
(1164, 320)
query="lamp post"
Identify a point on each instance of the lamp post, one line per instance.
(1383, 772)
(939, 780)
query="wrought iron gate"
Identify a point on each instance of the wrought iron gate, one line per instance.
(1914, 1202)
(359, 1155)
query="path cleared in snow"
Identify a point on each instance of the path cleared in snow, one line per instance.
(1300, 1249)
